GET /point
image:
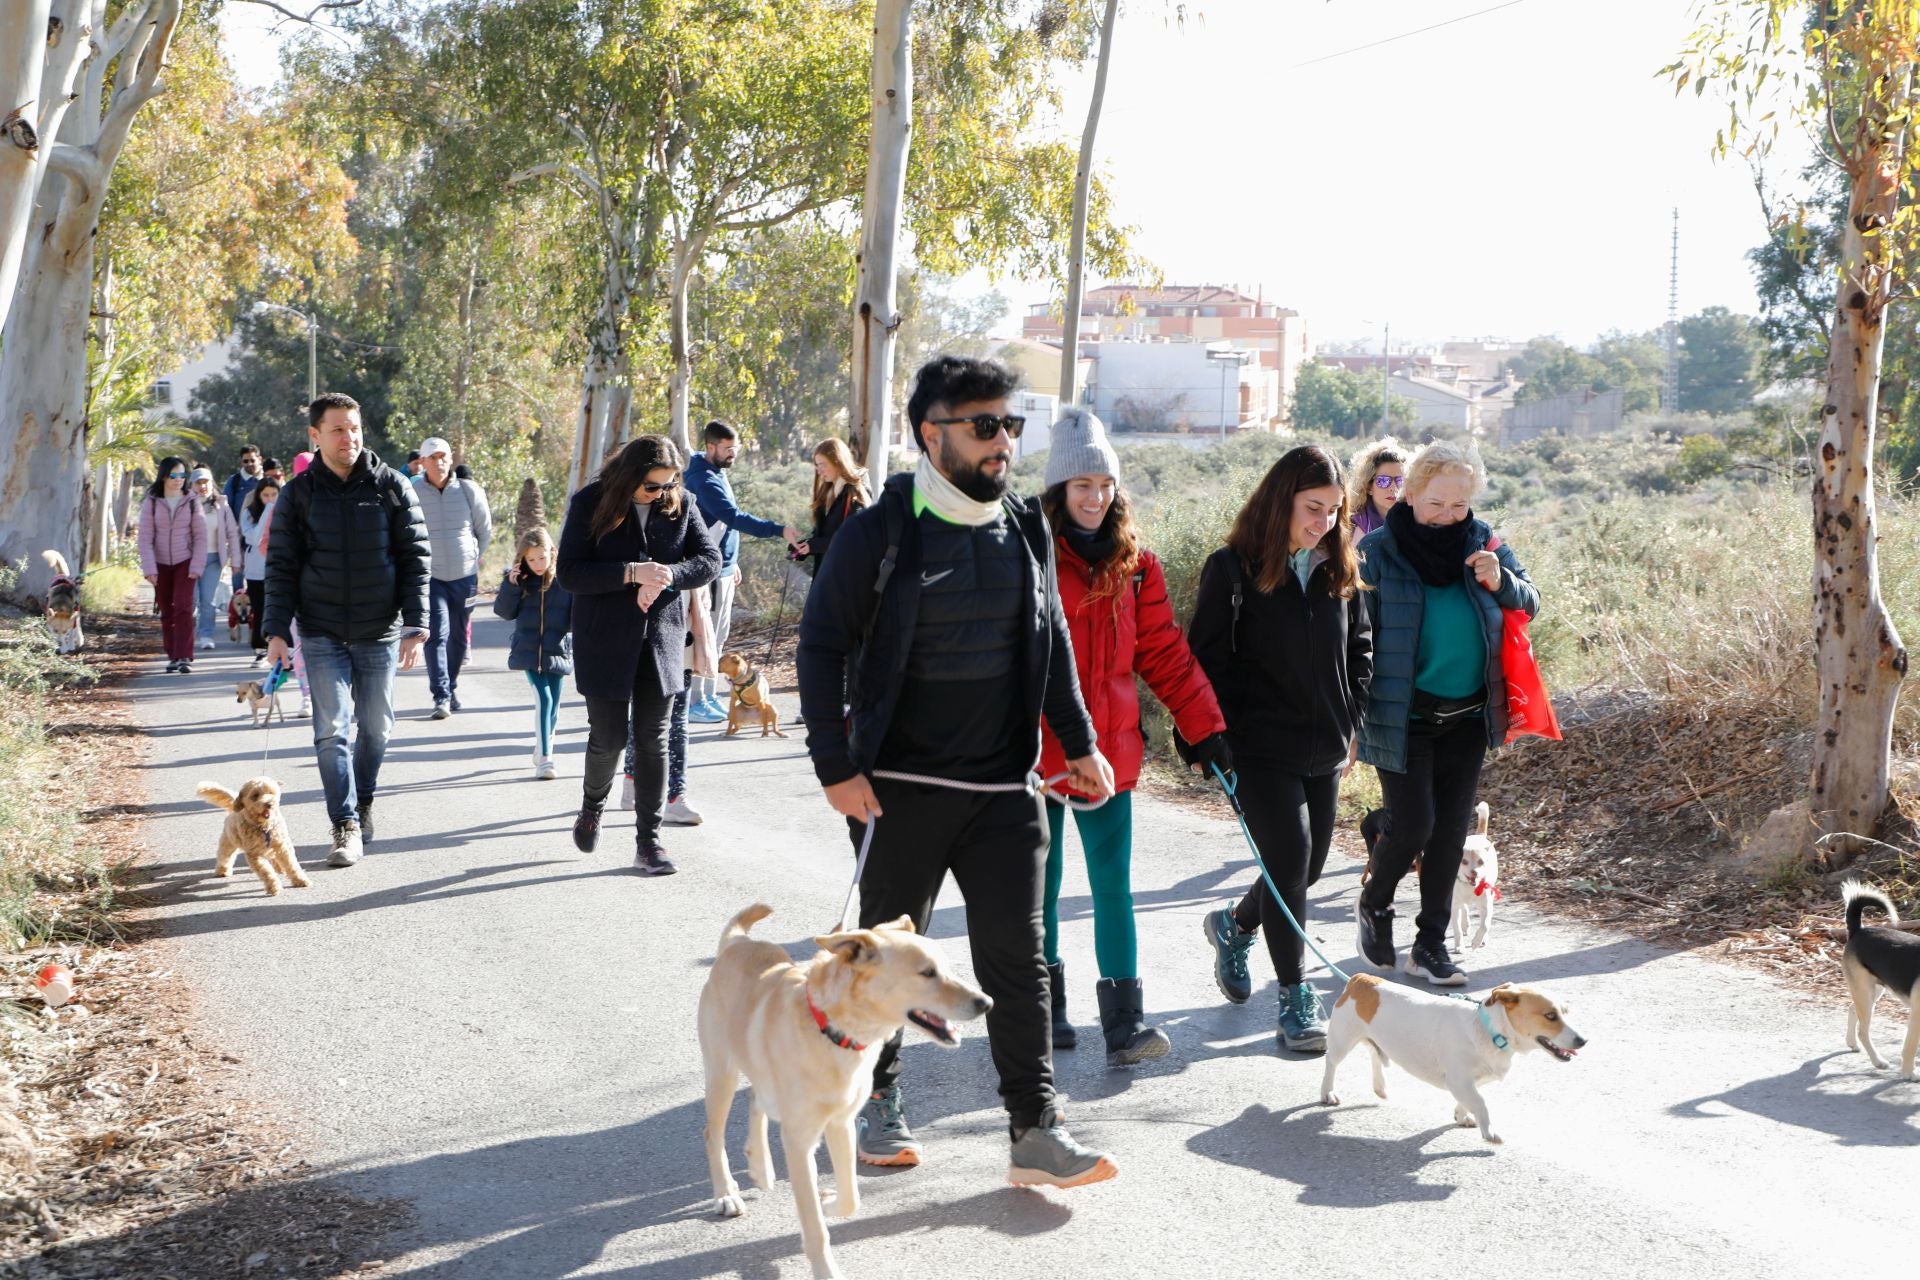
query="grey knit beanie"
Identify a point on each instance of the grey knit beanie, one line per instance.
(1079, 447)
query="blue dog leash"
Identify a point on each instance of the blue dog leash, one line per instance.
(268, 687)
(1231, 785)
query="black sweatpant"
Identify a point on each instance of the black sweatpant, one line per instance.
(607, 727)
(256, 611)
(1430, 807)
(996, 847)
(1291, 818)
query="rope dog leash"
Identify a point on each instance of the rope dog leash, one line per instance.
(1034, 785)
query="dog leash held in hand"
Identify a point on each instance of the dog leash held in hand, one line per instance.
(1231, 785)
(268, 687)
(1034, 785)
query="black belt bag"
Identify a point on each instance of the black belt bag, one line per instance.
(1446, 710)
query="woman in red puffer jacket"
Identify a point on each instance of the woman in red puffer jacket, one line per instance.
(1115, 597)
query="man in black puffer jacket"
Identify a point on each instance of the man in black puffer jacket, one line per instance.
(347, 559)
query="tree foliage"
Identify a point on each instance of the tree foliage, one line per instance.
(1336, 400)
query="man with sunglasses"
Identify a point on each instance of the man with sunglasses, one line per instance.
(933, 641)
(707, 484)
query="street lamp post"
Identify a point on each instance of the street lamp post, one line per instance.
(1386, 374)
(1227, 358)
(313, 344)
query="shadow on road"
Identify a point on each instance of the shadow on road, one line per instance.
(1861, 1108)
(1298, 1145)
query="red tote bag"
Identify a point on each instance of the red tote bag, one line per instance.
(1529, 709)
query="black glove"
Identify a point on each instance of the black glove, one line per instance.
(1207, 752)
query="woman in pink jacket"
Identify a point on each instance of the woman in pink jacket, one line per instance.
(173, 552)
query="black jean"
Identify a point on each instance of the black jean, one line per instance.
(257, 611)
(607, 727)
(1291, 818)
(1430, 807)
(996, 847)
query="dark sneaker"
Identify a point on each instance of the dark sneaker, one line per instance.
(365, 814)
(1303, 1022)
(1376, 936)
(1047, 1156)
(1230, 944)
(586, 827)
(172, 666)
(346, 845)
(186, 668)
(453, 701)
(1064, 1036)
(882, 1128)
(1430, 960)
(650, 859)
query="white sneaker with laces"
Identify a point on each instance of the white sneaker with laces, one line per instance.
(306, 706)
(682, 814)
(545, 771)
(206, 645)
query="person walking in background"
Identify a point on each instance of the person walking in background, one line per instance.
(839, 490)
(240, 485)
(253, 534)
(173, 555)
(1114, 593)
(1374, 483)
(347, 557)
(541, 611)
(949, 658)
(708, 485)
(1440, 581)
(223, 563)
(1281, 631)
(270, 470)
(459, 525)
(630, 551)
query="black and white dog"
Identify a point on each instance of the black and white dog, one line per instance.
(1876, 958)
(63, 605)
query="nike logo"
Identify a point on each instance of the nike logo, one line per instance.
(928, 579)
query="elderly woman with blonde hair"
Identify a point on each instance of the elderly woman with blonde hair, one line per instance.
(1440, 581)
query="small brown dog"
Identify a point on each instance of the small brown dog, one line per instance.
(63, 605)
(259, 701)
(752, 696)
(239, 616)
(254, 827)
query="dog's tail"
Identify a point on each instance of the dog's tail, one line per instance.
(1857, 896)
(737, 927)
(57, 563)
(1481, 814)
(218, 797)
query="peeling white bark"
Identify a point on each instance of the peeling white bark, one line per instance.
(876, 306)
(1082, 188)
(43, 46)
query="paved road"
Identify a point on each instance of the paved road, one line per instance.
(499, 1030)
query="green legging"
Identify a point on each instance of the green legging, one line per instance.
(1106, 835)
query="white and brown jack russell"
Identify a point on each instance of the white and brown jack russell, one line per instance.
(1449, 1042)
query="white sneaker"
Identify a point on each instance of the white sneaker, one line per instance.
(682, 814)
(545, 771)
(346, 845)
(206, 646)
(306, 706)
(626, 791)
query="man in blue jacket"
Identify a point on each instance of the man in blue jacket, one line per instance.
(933, 641)
(707, 482)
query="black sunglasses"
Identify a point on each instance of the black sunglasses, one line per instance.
(650, 487)
(988, 425)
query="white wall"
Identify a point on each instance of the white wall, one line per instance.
(1173, 379)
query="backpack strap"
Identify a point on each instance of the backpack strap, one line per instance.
(1239, 598)
(893, 519)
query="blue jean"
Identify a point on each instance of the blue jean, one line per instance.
(546, 714)
(448, 606)
(203, 593)
(363, 671)
(676, 742)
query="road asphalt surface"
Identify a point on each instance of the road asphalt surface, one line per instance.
(499, 1030)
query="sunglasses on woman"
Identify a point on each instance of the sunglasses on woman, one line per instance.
(988, 425)
(648, 486)
(1389, 482)
(176, 475)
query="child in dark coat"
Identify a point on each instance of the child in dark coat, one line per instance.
(541, 612)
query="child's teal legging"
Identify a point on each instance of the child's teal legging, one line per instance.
(546, 716)
(1106, 835)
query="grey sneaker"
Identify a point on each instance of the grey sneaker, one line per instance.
(1047, 1156)
(651, 860)
(453, 702)
(365, 814)
(1230, 944)
(346, 845)
(1303, 1020)
(440, 711)
(884, 1136)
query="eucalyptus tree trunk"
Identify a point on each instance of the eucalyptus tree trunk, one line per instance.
(1859, 657)
(680, 380)
(43, 348)
(876, 307)
(1082, 187)
(43, 46)
(99, 508)
(463, 364)
(600, 381)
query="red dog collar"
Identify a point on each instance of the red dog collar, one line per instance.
(1485, 885)
(828, 1030)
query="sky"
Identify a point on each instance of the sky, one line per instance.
(1510, 174)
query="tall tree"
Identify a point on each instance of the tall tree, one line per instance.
(1849, 77)
(1719, 354)
(1082, 192)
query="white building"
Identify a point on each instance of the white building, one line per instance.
(170, 396)
(1177, 386)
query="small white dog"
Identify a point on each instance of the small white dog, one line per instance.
(806, 1036)
(1456, 1045)
(259, 701)
(1477, 887)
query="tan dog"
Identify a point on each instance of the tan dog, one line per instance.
(1456, 1045)
(752, 696)
(63, 605)
(254, 827)
(239, 616)
(255, 695)
(806, 1036)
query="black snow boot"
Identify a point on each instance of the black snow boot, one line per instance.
(1064, 1036)
(1129, 1040)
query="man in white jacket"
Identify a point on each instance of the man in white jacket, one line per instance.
(459, 525)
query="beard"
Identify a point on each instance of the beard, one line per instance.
(969, 479)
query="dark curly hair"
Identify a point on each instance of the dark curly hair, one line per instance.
(952, 380)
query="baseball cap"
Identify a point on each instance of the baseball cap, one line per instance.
(434, 444)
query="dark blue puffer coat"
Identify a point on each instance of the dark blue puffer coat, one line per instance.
(542, 626)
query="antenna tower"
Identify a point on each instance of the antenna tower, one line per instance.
(1670, 383)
